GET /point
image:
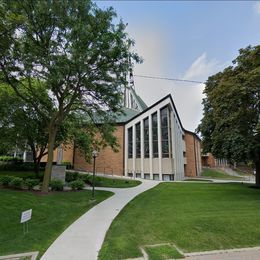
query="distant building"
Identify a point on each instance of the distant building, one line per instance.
(208, 160)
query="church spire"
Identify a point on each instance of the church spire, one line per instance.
(131, 99)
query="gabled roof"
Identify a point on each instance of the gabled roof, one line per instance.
(155, 104)
(127, 114)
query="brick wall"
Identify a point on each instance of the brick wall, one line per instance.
(67, 154)
(208, 160)
(193, 157)
(107, 162)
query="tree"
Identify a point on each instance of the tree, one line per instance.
(73, 49)
(230, 127)
(21, 127)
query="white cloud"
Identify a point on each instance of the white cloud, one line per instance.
(190, 106)
(187, 96)
(256, 7)
(201, 68)
(154, 46)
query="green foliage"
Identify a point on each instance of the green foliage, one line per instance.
(5, 158)
(30, 183)
(16, 183)
(85, 177)
(82, 55)
(26, 166)
(77, 184)
(230, 127)
(71, 176)
(22, 174)
(56, 185)
(5, 180)
(67, 164)
(11, 159)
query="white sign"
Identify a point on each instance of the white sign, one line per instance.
(26, 215)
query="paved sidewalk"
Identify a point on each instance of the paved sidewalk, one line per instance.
(233, 254)
(84, 238)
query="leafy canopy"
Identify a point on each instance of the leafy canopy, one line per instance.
(231, 124)
(71, 48)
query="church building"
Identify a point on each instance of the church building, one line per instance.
(153, 144)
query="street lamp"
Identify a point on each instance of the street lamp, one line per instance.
(94, 155)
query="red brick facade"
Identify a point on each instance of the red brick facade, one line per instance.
(108, 161)
(208, 160)
(193, 156)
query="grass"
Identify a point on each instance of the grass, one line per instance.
(193, 216)
(115, 182)
(199, 180)
(51, 215)
(163, 252)
(216, 174)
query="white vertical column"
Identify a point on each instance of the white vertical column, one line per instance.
(159, 143)
(24, 156)
(175, 134)
(126, 151)
(142, 148)
(150, 146)
(134, 151)
(173, 144)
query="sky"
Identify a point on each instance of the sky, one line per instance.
(186, 40)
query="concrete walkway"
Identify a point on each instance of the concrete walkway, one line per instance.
(84, 238)
(232, 254)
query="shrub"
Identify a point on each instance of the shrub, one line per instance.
(5, 180)
(77, 185)
(5, 158)
(97, 180)
(56, 184)
(67, 164)
(71, 176)
(30, 183)
(16, 183)
(85, 177)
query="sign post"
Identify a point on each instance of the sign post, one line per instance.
(25, 217)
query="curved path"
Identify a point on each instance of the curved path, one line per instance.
(83, 239)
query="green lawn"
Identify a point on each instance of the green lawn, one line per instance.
(115, 182)
(216, 174)
(198, 180)
(51, 214)
(163, 252)
(193, 216)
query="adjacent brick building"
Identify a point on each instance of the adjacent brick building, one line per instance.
(193, 154)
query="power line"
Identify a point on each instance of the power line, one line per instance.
(171, 79)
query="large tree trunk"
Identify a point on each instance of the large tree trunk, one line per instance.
(36, 167)
(48, 168)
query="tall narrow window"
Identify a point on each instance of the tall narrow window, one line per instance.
(165, 131)
(155, 135)
(138, 140)
(146, 138)
(130, 142)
